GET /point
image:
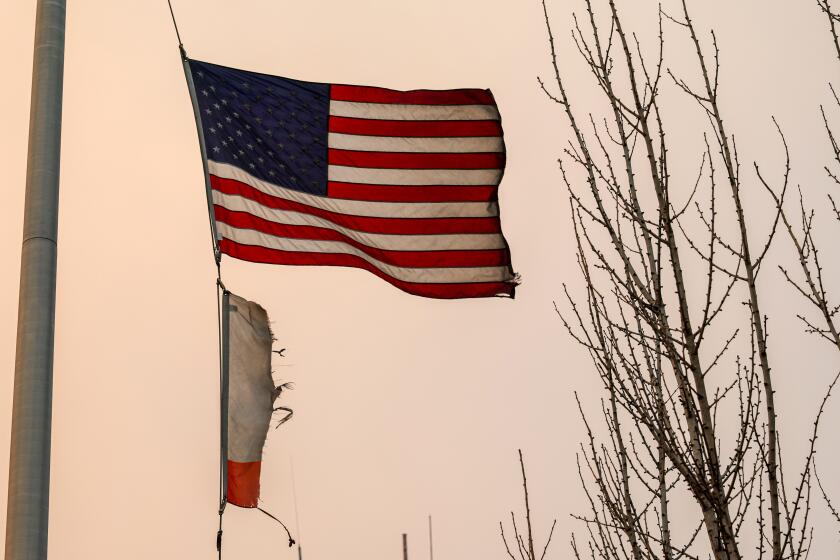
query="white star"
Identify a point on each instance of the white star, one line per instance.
(250, 146)
(239, 133)
(217, 106)
(205, 92)
(212, 130)
(216, 149)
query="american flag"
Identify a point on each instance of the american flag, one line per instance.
(403, 184)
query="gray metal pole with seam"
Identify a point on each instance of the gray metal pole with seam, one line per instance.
(27, 517)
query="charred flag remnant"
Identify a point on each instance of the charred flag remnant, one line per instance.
(248, 395)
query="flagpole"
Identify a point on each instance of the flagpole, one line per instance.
(27, 514)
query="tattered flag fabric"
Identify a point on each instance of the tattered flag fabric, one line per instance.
(403, 184)
(248, 395)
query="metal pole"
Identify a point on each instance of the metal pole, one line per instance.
(27, 516)
(405, 546)
(431, 550)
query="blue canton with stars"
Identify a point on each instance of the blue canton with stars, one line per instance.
(273, 128)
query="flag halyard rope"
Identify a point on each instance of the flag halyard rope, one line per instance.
(175, 24)
(221, 293)
(222, 310)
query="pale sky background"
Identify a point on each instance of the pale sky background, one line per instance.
(404, 406)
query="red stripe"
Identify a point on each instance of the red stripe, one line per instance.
(440, 291)
(391, 160)
(437, 129)
(407, 226)
(412, 193)
(366, 94)
(410, 259)
(243, 483)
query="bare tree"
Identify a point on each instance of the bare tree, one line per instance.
(645, 234)
(833, 23)
(800, 225)
(524, 543)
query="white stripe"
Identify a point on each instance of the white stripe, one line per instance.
(360, 207)
(386, 242)
(419, 275)
(396, 112)
(375, 176)
(406, 144)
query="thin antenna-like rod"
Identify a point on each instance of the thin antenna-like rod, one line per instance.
(431, 549)
(27, 513)
(405, 546)
(175, 23)
(294, 498)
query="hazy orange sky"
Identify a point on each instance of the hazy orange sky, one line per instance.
(404, 406)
